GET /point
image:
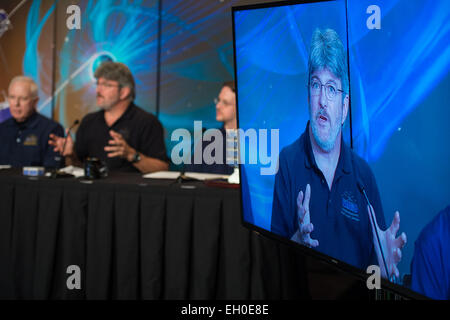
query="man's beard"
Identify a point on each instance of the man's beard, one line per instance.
(327, 143)
(105, 105)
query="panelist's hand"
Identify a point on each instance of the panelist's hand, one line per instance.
(392, 246)
(58, 144)
(118, 147)
(305, 227)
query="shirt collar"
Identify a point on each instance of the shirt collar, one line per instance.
(31, 121)
(344, 162)
(129, 112)
(125, 116)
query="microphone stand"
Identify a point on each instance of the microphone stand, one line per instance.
(56, 173)
(372, 218)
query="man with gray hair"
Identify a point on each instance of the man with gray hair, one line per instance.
(319, 195)
(24, 136)
(121, 134)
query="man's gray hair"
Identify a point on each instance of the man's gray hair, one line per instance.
(33, 85)
(117, 71)
(328, 52)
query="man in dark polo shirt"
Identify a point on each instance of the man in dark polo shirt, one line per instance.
(121, 134)
(24, 136)
(318, 194)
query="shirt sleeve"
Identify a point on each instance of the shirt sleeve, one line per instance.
(426, 272)
(152, 141)
(51, 158)
(281, 223)
(430, 266)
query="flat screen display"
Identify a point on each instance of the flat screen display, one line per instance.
(343, 114)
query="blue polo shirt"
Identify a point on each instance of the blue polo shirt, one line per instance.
(430, 266)
(4, 114)
(26, 144)
(340, 218)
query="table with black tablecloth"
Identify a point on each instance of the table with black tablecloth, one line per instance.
(135, 238)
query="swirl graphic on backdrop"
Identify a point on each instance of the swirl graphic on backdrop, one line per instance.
(33, 65)
(125, 32)
(193, 49)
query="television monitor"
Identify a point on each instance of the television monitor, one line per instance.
(342, 116)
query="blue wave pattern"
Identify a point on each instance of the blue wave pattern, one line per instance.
(395, 68)
(196, 58)
(400, 91)
(33, 65)
(126, 31)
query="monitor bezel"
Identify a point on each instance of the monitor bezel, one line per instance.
(340, 265)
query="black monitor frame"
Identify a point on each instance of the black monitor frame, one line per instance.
(334, 262)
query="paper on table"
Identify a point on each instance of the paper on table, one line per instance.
(205, 176)
(76, 171)
(192, 175)
(234, 178)
(162, 175)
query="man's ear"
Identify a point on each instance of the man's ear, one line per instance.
(345, 106)
(125, 92)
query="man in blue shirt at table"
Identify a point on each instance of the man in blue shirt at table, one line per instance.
(318, 199)
(24, 136)
(430, 266)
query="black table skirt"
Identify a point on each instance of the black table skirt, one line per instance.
(135, 238)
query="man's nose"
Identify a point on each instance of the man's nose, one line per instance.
(14, 102)
(323, 97)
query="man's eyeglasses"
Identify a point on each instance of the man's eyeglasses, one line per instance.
(107, 85)
(226, 103)
(330, 89)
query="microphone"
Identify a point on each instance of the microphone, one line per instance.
(56, 173)
(372, 217)
(76, 122)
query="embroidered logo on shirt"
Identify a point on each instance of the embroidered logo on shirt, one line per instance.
(31, 141)
(349, 206)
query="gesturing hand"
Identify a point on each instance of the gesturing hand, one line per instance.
(118, 147)
(60, 143)
(391, 245)
(305, 227)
